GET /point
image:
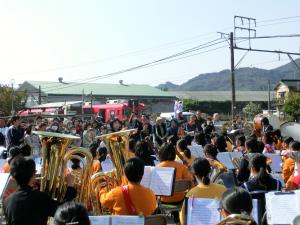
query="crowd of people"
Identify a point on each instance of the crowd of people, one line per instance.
(157, 143)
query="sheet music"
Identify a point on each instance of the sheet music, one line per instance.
(202, 211)
(126, 220)
(38, 164)
(286, 204)
(147, 176)
(100, 220)
(4, 177)
(236, 155)
(107, 165)
(254, 212)
(162, 180)
(197, 150)
(276, 162)
(225, 159)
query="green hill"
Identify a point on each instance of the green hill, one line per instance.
(246, 79)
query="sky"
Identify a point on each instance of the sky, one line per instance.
(76, 39)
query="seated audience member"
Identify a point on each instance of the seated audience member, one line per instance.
(167, 156)
(71, 213)
(185, 152)
(267, 139)
(243, 173)
(289, 164)
(27, 206)
(96, 166)
(143, 152)
(205, 189)
(293, 182)
(240, 143)
(131, 199)
(260, 179)
(236, 207)
(211, 153)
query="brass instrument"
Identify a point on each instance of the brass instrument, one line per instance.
(237, 219)
(55, 156)
(117, 146)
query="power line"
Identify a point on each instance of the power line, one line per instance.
(270, 36)
(153, 63)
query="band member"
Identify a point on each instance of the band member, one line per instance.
(131, 199)
(27, 206)
(71, 213)
(205, 189)
(289, 164)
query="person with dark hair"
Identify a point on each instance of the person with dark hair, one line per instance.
(115, 125)
(285, 151)
(211, 152)
(173, 128)
(14, 134)
(160, 131)
(13, 152)
(289, 164)
(266, 126)
(236, 202)
(102, 151)
(96, 166)
(33, 141)
(243, 173)
(131, 147)
(199, 139)
(205, 189)
(131, 199)
(173, 139)
(268, 139)
(3, 149)
(143, 152)
(221, 144)
(71, 213)
(167, 155)
(277, 139)
(184, 151)
(260, 179)
(240, 143)
(27, 206)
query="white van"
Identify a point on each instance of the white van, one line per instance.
(171, 115)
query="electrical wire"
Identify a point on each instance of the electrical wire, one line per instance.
(153, 63)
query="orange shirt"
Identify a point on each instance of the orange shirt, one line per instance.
(141, 197)
(288, 169)
(96, 167)
(182, 173)
(5, 168)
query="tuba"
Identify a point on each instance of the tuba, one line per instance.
(117, 146)
(55, 157)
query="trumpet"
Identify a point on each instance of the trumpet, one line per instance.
(55, 156)
(117, 146)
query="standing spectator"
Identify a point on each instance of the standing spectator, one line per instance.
(88, 135)
(266, 126)
(192, 124)
(217, 121)
(14, 134)
(160, 131)
(33, 141)
(173, 129)
(200, 120)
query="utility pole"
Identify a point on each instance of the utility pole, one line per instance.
(82, 104)
(232, 75)
(12, 97)
(269, 96)
(91, 105)
(40, 95)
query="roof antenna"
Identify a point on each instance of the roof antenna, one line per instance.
(60, 80)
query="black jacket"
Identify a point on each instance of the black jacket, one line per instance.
(253, 185)
(27, 207)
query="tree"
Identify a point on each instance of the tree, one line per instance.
(291, 105)
(19, 100)
(252, 109)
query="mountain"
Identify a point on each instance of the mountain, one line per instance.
(246, 79)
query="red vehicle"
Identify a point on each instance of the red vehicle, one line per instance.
(110, 111)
